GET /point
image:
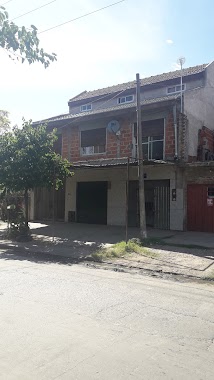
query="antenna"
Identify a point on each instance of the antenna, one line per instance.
(181, 61)
(114, 127)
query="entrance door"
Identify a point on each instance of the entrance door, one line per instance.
(200, 208)
(157, 204)
(92, 202)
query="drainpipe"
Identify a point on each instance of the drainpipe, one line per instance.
(118, 134)
(176, 131)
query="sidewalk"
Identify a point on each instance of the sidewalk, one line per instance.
(77, 242)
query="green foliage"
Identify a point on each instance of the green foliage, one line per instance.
(4, 121)
(27, 159)
(22, 42)
(123, 250)
(18, 230)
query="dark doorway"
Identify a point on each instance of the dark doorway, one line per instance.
(92, 202)
(157, 204)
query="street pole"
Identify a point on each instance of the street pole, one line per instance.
(53, 200)
(143, 232)
(181, 87)
(127, 200)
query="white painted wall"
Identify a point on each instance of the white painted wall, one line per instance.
(116, 211)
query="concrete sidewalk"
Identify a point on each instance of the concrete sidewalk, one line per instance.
(78, 241)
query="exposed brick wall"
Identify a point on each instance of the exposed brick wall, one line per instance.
(205, 144)
(65, 143)
(111, 148)
(206, 138)
(126, 139)
(169, 138)
(115, 144)
(74, 144)
(183, 137)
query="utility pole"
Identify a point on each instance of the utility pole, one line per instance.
(143, 232)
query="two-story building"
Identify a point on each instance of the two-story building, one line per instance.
(98, 136)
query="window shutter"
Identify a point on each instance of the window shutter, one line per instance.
(93, 137)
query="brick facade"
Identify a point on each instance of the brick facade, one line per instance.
(169, 138)
(205, 144)
(183, 137)
(116, 146)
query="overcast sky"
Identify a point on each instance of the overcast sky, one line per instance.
(106, 48)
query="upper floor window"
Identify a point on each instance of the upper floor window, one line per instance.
(174, 89)
(152, 139)
(86, 107)
(153, 147)
(93, 141)
(126, 99)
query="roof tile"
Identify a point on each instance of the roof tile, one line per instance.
(144, 81)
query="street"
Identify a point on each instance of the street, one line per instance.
(73, 322)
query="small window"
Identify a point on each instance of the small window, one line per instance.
(126, 99)
(174, 89)
(210, 192)
(93, 141)
(86, 107)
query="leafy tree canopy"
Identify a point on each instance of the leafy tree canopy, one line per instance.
(28, 160)
(24, 43)
(4, 121)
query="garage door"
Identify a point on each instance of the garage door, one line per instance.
(200, 208)
(92, 202)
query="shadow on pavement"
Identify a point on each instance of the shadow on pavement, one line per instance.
(40, 257)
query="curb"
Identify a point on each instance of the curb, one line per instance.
(109, 265)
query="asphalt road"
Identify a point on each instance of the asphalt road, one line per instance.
(73, 322)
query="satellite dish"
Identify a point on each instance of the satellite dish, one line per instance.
(113, 126)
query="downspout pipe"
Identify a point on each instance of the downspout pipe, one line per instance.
(176, 131)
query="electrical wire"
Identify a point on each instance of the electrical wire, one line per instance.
(79, 17)
(85, 113)
(33, 10)
(1, 5)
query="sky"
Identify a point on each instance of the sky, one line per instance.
(100, 50)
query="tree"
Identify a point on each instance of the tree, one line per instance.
(22, 42)
(4, 121)
(27, 160)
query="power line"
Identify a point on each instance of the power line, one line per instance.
(33, 10)
(5, 3)
(86, 14)
(74, 119)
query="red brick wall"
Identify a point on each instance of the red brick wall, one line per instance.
(126, 140)
(65, 143)
(169, 138)
(206, 138)
(71, 144)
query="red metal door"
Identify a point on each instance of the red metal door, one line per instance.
(200, 208)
